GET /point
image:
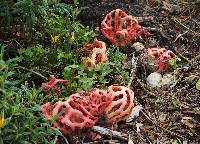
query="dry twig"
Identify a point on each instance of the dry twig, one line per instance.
(108, 132)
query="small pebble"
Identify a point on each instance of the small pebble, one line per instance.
(154, 79)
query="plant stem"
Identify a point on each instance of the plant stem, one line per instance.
(34, 72)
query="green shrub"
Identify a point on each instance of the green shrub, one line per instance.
(29, 11)
(24, 122)
(70, 34)
(38, 21)
(55, 36)
(44, 61)
(112, 72)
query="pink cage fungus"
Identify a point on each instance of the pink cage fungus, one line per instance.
(121, 28)
(161, 56)
(94, 101)
(52, 87)
(79, 112)
(121, 106)
(53, 81)
(68, 116)
(95, 53)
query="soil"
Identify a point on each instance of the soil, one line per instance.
(170, 114)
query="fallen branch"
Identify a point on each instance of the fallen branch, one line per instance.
(142, 19)
(180, 35)
(108, 132)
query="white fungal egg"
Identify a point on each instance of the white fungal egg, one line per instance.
(154, 79)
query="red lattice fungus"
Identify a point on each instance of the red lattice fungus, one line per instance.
(69, 116)
(52, 86)
(121, 106)
(94, 101)
(161, 56)
(79, 112)
(95, 53)
(121, 28)
(53, 82)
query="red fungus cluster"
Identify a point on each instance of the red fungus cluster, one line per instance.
(121, 106)
(53, 82)
(52, 85)
(79, 112)
(161, 55)
(82, 110)
(95, 53)
(68, 116)
(94, 101)
(121, 28)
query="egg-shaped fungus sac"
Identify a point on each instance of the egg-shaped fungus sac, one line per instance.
(122, 103)
(95, 53)
(161, 57)
(94, 101)
(121, 28)
(69, 116)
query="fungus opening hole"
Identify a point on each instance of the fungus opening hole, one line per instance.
(116, 107)
(120, 96)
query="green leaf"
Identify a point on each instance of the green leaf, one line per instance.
(198, 85)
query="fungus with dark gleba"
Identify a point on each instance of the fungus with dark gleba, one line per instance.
(121, 28)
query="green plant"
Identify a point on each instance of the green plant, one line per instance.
(44, 61)
(5, 13)
(6, 71)
(23, 122)
(198, 85)
(83, 78)
(60, 21)
(21, 11)
(173, 62)
(56, 35)
(38, 21)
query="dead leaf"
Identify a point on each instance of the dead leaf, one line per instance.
(162, 117)
(147, 127)
(188, 121)
(174, 142)
(166, 5)
(94, 136)
(130, 141)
